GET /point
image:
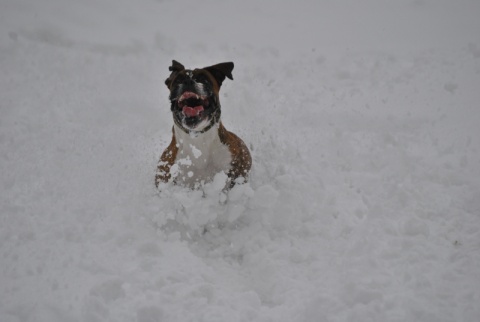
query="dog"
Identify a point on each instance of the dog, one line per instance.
(201, 147)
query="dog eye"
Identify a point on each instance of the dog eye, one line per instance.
(201, 79)
(179, 79)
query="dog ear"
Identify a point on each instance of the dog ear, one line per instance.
(220, 71)
(175, 68)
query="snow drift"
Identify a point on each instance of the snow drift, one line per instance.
(362, 120)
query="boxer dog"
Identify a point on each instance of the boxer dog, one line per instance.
(201, 147)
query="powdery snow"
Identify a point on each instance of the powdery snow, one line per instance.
(363, 123)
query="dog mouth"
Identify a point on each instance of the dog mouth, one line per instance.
(192, 104)
(193, 111)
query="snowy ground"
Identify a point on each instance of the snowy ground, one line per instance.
(364, 201)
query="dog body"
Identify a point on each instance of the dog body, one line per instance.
(201, 147)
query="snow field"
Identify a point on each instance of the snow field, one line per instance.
(363, 200)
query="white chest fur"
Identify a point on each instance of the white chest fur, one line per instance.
(199, 157)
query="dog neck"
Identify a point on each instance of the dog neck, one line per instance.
(193, 133)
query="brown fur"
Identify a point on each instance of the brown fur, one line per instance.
(241, 159)
(166, 161)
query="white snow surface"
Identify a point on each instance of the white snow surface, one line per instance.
(363, 119)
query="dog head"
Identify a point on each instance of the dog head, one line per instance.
(194, 95)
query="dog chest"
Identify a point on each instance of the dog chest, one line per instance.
(200, 157)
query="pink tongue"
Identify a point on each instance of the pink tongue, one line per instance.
(192, 111)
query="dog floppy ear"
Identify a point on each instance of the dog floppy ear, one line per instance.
(175, 68)
(220, 71)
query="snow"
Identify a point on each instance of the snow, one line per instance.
(363, 202)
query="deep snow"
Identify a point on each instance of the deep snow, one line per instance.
(363, 122)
